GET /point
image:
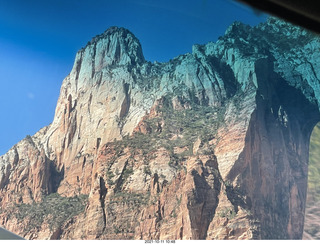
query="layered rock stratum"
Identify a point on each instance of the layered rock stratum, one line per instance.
(210, 145)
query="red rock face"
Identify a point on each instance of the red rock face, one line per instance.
(212, 145)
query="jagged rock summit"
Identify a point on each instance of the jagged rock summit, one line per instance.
(116, 46)
(210, 145)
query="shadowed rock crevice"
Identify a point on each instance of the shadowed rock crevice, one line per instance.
(203, 202)
(103, 192)
(56, 176)
(125, 106)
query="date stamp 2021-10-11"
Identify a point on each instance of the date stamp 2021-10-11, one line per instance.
(160, 241)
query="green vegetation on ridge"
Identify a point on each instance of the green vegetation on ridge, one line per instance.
(174, 128)
(54, 210)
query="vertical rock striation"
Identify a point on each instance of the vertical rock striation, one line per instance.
(210, 145)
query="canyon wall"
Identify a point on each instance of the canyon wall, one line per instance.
(210, 145)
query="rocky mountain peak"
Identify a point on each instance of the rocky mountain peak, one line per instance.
(273, 32)
(282, 27)
(120, 46)
(237, 28)
(115, 47)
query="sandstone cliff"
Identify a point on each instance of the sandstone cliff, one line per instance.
(210, 145)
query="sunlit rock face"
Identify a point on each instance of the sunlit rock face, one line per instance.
(210, 145)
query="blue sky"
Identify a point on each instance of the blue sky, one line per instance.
(39, 40)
